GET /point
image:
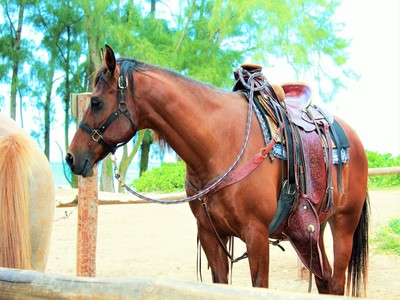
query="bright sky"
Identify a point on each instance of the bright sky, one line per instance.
(372, 104)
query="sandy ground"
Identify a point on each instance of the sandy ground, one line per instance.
(150, 240)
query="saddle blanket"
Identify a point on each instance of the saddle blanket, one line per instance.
(279, 150)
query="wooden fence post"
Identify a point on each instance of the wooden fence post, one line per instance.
(302, 272)
(87, 207)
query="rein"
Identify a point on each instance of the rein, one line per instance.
(97, 134)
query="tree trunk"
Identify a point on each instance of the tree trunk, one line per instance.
(47, 104)
(152, 7)
(67, 104)
(107, 179)
(92, 23)
(127, 159)
(16, 61)
(145, 150)
(93, 43)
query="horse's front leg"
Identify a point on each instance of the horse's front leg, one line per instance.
(257, 243)
(217, 259)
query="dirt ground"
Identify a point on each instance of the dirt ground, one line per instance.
(150, 240)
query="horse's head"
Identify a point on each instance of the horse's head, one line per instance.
(108, 121)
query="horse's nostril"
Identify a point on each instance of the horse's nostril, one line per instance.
(69, 158)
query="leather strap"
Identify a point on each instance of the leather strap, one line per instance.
(97, 134)
(234, 177)
(241, 173)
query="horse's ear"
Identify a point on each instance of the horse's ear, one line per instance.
(109, 59)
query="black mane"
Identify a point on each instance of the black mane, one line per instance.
(128, 66)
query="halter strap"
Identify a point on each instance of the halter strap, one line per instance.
(97, 134)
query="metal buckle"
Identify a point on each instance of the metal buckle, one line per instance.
(96, 136)
(123, 107)
(262, 150)
(122, 82)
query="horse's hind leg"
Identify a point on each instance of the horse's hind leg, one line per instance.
(342, 226)
(217, 259)
(342, 231)
(323, 284)
(334, 283)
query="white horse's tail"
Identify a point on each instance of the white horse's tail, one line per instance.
(15, 174)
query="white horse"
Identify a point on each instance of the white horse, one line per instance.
(26, 199)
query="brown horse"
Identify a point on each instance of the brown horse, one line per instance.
(206, 127)
(26, 199)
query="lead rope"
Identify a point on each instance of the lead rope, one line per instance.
(250, 84)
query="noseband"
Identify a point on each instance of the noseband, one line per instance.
(97, 134)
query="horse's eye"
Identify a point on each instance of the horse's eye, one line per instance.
(96, 104)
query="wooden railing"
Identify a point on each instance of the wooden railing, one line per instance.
(383, 171)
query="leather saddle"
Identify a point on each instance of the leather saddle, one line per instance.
(309, 136)
(298, 104)
(309, 125)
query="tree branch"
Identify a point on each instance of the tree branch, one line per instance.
(183, 34)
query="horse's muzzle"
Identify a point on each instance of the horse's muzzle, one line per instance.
(85, 169)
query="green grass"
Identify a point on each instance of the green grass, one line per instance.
(387, 239)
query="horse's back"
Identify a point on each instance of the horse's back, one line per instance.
(27, 185)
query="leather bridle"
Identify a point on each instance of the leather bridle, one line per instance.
(97, 134)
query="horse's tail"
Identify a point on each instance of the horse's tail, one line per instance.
(357, 272)
(15, 173)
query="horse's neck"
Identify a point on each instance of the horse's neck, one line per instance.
(196, 120)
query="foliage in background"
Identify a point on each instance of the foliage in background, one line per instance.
(170, 177)
(387, 239)
(51, 48)
(377, 160)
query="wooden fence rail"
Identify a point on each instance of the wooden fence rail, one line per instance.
(24, 284)
(384, 171)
